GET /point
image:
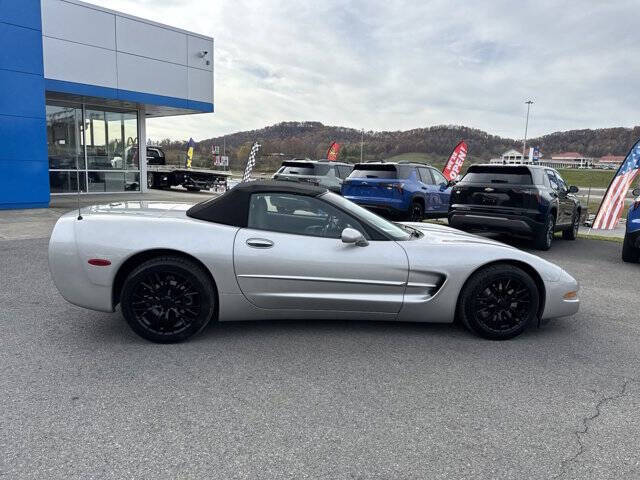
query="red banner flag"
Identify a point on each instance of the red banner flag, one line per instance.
(454, 166)
(332, 153)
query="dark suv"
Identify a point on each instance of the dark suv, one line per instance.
(316, 172)
(527, 200)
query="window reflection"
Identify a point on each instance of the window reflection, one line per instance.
(107, 138)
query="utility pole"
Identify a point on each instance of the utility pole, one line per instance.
(526, 127)
(361, 144)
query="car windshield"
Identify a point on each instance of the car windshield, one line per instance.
(392, 230)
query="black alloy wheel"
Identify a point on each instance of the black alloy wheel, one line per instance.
(168, 299)
(499, 302)
(544, 238)
(572, 233)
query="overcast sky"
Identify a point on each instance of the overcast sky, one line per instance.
(394, 65)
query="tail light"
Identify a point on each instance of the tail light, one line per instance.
(393, 186)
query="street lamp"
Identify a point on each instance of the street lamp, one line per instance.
(526, 127)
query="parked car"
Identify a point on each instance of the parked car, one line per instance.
(409, 191)
(631, 245)
(315, 172)
(276, 250)
(526, 200)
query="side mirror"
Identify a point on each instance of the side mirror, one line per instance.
(451, 183)
(636, 192)
(573, 189)
(351, 235)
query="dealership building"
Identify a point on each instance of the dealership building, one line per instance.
(77, 83)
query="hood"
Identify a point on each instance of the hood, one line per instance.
(136, 209)
(436, 233)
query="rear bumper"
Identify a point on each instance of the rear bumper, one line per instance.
(388, 205)
(470, 220)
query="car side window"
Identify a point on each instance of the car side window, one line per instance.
(438, 177)
(562, 184)
(298, 215)
(553, 180)
(425, 176)
(343, 171)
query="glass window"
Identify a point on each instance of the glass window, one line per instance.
(553, 180)
(438, 177)
(425, 176)
(64, 137)
(110, 138)
(498, 174)
(61, 181)
(299, 215)
(391, 229)
(364, 170)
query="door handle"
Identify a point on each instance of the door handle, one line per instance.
(259, 243)
(423, 188)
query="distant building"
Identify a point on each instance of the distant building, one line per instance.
(611, 162)
(510, 157)
(568, 160)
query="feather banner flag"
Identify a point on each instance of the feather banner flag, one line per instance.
(251, 162)
(453, 167)
(333, 152)
(612, 204)
(190, 146)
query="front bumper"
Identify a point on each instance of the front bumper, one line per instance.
(556, 305)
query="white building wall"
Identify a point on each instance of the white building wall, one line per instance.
(87, 44)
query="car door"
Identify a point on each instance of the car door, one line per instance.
(291, 257)
(427, 186)
(558, 193)
(444, 190)
(567, 200)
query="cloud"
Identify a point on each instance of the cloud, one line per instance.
(393, 65)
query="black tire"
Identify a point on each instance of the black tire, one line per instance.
(630, 254)
(416, 212)
(572, 232)
(544, 238)
(484, 305)
(168, 299)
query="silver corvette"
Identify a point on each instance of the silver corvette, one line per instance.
(272, 250)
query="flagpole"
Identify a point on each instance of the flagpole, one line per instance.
(526, 128)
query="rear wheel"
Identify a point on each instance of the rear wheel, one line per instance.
(168, 299)
(630, 254)
(499, 302)
(416, 214)
(572, 233)
(544, 237)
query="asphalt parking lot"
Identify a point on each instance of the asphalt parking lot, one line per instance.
(83, 397)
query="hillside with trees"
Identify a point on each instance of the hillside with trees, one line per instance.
(311, 139)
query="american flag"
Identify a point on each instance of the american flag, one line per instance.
(613, 203)
(251, 162)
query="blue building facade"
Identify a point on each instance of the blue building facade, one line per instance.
(77, 83)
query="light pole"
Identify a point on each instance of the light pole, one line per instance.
(361, 144)
(526, 127)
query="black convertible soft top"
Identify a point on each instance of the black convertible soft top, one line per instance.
(232, 207)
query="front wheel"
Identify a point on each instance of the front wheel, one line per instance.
(168, 299)
(499, 302)
(630, 254)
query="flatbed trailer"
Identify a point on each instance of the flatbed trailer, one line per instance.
(193, 179)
